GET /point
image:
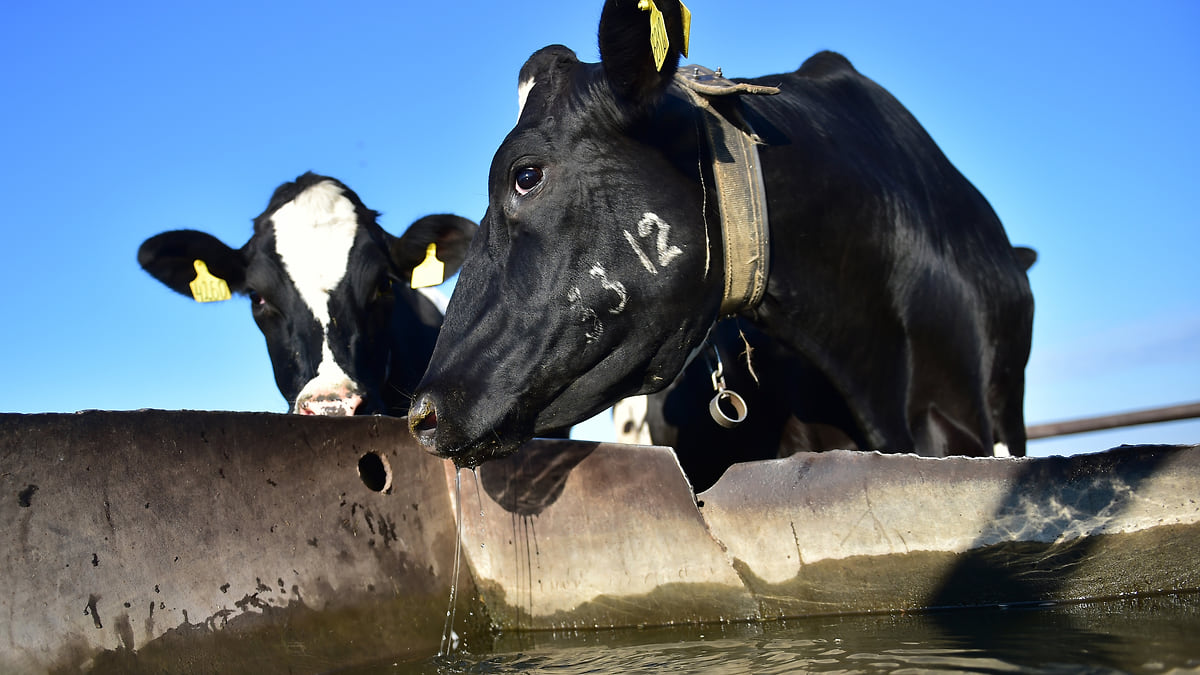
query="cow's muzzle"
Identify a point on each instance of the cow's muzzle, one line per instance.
(448, 439)
(329, 406)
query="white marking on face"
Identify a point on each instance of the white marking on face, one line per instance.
(651, 224)
(313, 236)
(523, 90)
(330, 381)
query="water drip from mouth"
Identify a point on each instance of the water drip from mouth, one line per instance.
(479, 498)
(449, 639)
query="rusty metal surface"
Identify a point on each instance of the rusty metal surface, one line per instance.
(216, 542)
(855, 532)
(579, 535)
(156, 541)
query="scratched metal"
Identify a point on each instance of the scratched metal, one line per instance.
(156, 541)
(216, 542)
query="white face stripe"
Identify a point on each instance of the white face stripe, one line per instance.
(313, 236)
(523, 90)
(330, 379)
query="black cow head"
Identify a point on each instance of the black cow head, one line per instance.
(592, 277)
(329, 288)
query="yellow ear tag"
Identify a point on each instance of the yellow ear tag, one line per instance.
(658, 32)
(659, 42)
(431, 271)
(687, 27)
(206, 287)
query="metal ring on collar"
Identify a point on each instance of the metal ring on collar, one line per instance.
(718, 413)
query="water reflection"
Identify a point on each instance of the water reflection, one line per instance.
(1147, 635)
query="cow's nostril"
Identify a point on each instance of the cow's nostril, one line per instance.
(423, 421)
(426, 423)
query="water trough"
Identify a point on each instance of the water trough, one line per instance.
(230, 542)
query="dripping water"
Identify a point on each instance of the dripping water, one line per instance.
(479, 498)
(449, 639)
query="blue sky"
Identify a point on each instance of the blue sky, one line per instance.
(120, 120)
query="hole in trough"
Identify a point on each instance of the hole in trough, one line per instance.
(375, 472)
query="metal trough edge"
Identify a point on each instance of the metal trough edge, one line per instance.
(234, 542)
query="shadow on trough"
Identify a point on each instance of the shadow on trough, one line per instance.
(1045, 556)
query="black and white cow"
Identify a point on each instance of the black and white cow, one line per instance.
(598, 271)
(330, 290)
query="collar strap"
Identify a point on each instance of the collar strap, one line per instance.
(742, 198)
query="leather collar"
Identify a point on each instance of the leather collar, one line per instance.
(742, 198)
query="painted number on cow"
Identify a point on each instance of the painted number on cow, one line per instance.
(652, 233)
(588, 314)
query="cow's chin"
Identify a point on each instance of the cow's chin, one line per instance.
(470, 449)
(505, 439)
(478, 451)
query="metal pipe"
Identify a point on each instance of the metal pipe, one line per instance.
(1150, 416)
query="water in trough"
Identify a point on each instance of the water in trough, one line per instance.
(1134, 635)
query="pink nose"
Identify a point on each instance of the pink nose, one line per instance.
(331, 405)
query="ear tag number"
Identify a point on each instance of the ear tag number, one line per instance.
(431, 271)
(206, 287)
(659, 42)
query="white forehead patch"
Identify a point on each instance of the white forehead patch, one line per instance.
(313, 236)
(523, 90)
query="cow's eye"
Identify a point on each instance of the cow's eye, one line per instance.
(384, 289)
(257, 302)
(527, 179)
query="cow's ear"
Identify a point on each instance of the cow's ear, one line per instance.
(550, 69)
(628, 31)
(450, 234)
(171, 258)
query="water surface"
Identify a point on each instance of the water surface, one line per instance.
(1144, 635)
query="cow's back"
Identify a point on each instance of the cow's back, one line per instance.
(906, 285)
